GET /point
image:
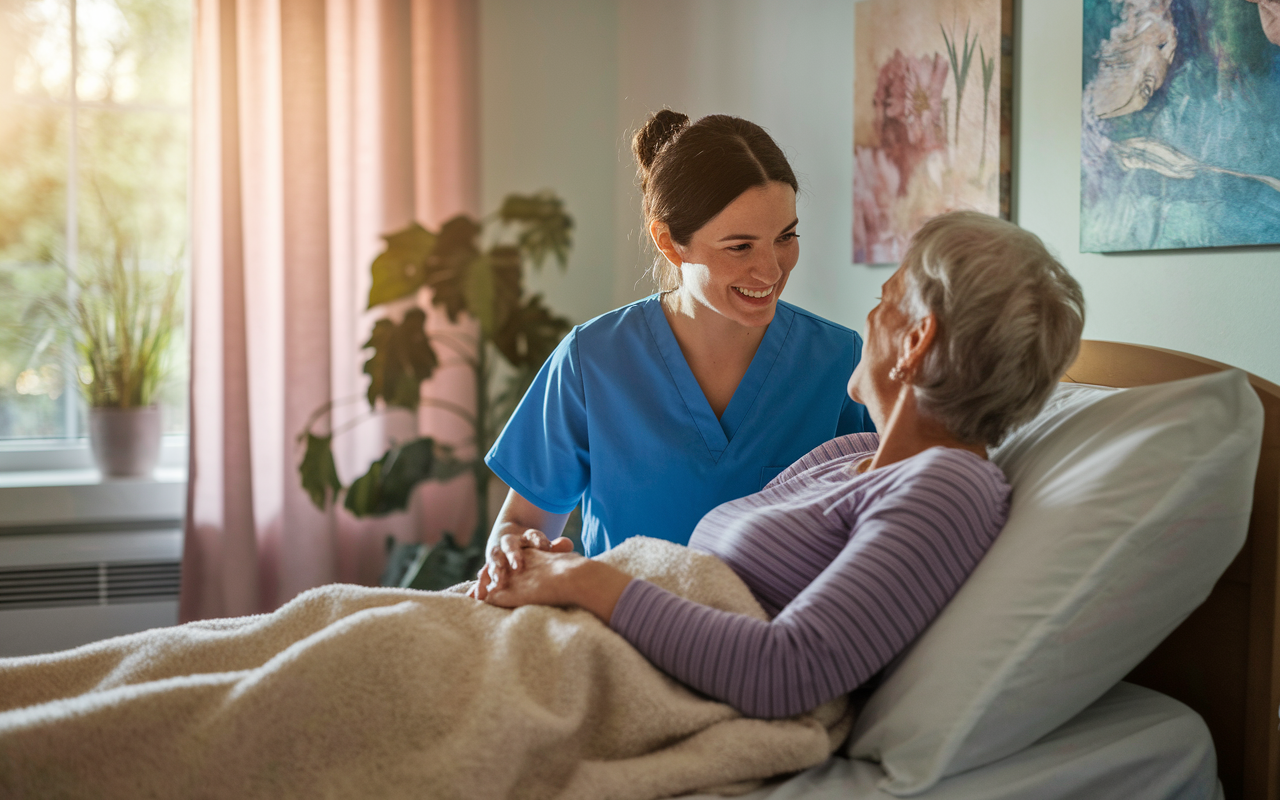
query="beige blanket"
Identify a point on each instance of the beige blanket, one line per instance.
(357, 692)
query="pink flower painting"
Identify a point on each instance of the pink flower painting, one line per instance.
(909, 109)
(875, 186)
(930, 127)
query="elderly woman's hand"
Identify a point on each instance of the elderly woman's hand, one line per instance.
(542, 580)
(562, 579)
(508, 557)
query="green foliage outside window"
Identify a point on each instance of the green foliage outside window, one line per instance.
(93, 171)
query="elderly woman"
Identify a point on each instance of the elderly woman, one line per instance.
(856, 547)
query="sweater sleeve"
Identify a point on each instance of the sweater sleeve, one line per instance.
(908, 554)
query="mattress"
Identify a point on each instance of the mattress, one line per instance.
(1131, 744)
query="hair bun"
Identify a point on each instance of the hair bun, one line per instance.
(661, 128)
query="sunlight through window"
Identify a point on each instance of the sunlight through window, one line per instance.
(94, 139)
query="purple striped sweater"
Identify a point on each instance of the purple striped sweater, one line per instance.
(850, 567)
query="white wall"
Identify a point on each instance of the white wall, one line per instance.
(787, 66)
(564, 82)
(549, 78)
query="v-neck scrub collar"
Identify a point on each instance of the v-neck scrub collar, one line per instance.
(717, 433)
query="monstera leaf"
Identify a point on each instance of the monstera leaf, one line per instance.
(448, 267)
(493, 288)
(387, 485)
(530, 334)
(402, 359)
(399, 270)
(546, 226)
(319, 474)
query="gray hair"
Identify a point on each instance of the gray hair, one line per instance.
(1009, 321)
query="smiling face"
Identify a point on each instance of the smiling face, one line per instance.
(887, 325)
(737, 264)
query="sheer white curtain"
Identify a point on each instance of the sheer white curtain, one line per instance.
(319, 125)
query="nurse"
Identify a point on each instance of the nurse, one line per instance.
(653, 414)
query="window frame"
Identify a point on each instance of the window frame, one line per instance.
(72, 452)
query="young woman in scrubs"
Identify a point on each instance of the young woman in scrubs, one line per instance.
(655, 413)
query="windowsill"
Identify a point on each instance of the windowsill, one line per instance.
(50, 498)
(83, 477)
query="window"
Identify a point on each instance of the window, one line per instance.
(94, 138)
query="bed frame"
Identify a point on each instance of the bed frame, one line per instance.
(1224, 660)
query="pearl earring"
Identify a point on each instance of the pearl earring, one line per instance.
(896, 374)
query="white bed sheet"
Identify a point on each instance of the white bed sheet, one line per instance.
(1132, 744)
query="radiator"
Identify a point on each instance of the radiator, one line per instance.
(62, 590)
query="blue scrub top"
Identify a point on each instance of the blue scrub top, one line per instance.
(615, 420)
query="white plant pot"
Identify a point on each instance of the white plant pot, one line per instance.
(125, 441)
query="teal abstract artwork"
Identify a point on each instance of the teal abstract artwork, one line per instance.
(1180, 124)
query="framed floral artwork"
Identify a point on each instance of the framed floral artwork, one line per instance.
(932, 116)
(1179, 141)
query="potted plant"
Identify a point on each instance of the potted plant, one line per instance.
(120, 317)
(472, 269)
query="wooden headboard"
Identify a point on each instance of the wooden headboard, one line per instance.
(1224, 660)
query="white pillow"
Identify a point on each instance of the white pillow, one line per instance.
(1127, 506)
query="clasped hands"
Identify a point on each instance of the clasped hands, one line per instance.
(525, 569)
(529, 569)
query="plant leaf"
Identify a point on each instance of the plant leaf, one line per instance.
(447, 267)
(390, 480)
(447, 564)
(121, 318)
(402, 359)
(479, 292)
(402, 557)
(530, 334)
(364, 494)
(401, 268)
(493, 287)
(545, 227)
(508, 283)
(319, 474)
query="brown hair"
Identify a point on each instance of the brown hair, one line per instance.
(690, 172)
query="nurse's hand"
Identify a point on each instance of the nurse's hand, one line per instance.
(508, 557)
(563, 579)
(540, 580)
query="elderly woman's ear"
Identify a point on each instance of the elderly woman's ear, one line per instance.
(915, 345)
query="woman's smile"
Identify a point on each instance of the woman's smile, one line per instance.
(756, 296)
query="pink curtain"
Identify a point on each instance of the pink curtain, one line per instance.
(319, 125)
